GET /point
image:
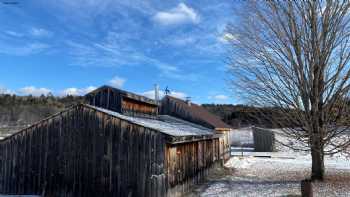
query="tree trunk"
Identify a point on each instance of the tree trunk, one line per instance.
(317, 159)
(306, 188)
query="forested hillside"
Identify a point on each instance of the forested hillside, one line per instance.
(243, 115)
(17, 112)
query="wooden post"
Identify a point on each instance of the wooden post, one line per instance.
(306, 188)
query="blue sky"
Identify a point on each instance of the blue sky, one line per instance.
(73, 46)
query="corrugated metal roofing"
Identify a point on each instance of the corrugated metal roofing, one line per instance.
(164, 123)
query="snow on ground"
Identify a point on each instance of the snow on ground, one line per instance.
(279, 175)
(249, 180)
(252, 176)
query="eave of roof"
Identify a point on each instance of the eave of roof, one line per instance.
(125, 94)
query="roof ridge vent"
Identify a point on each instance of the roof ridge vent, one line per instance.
(156, 93)
(188, 100)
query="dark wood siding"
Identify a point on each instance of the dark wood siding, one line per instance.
(188, 163)
(198, 115)
(123, 102)
(134, 108)
(106, 98)
(82, 152)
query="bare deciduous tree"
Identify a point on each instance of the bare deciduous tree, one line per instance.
(294, 55)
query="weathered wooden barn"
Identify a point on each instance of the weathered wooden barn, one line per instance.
(123, 102)
(197, 114)
(91, 151)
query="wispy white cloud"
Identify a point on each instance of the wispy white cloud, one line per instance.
(220, 97)
(183, 41)
(104, 53)
(196, 42)
(24, 43)
(23, 50)
(124, 41)
(77, 91)
(82, 12)
(34, 91)
(207, 39)
(13, 33)
(151, 94)
(113, 53)
(171, 71)
(227, 37)
(40, 32)
(181, 14)
(117, 82)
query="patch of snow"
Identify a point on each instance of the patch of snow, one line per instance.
(279, 175)
(248, 189)
(252, 176)
(240, 162)
(331, 189)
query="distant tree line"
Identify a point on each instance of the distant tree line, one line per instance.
(23, 110)
(245, 115)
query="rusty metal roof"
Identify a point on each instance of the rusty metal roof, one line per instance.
(193, 112)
